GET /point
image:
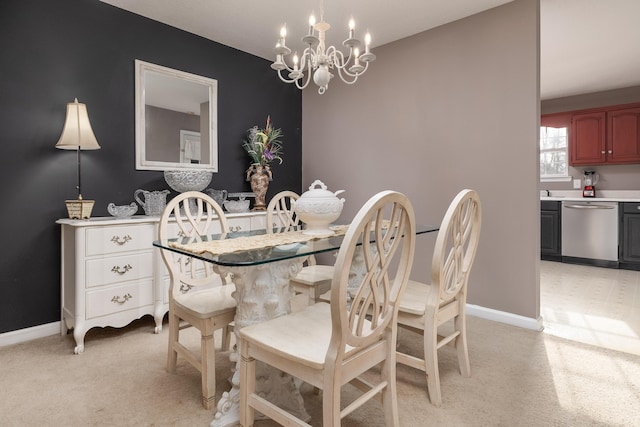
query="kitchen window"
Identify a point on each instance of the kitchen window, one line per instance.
(554, 148)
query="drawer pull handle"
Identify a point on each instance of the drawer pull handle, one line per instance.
(116, 299)
(184, 288)
(116, 269)
(117, 241)
(235, 229)
(187, 260)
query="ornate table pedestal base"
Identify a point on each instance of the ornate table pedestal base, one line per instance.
(262, 293)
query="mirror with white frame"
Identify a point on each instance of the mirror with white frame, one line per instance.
(176, 119)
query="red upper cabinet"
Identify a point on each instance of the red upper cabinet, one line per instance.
(605, 136)
(623, 135)
(587, 139)
(556, 120)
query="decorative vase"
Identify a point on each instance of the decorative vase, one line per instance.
(259, 176)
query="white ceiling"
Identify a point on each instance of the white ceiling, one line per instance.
(586, 45)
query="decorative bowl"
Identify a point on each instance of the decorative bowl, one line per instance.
(318, 208)
(122, 211)
(236, 206)
(188, 180)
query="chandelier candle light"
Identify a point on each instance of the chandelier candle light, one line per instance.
(318, 60)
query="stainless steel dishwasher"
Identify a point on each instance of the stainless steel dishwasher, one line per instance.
(590, 230)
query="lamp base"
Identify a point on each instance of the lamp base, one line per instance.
(80, 208)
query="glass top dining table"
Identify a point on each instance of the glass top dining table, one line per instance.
(262, 254)
(260, 268)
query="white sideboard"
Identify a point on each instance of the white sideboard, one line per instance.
(111, 274)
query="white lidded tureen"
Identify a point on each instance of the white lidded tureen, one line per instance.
(318, 208)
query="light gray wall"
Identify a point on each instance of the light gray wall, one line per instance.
(611, 177)
(163, 132)
(615, 177)
(625, 95)
(451, 108)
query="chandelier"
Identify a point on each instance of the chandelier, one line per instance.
(319, 60)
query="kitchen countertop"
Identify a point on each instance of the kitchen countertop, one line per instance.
(601, 196)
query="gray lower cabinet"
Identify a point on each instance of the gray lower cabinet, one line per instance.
(550, 231)
(630, 236)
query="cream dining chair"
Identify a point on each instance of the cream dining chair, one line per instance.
(330, 345)
(314, 279)
(198, 296)
(425, 307)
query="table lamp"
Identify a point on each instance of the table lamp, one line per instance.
(78, 135)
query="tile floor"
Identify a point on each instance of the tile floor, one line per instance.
(599, 306)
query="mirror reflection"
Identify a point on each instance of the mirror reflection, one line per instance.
(175, 119)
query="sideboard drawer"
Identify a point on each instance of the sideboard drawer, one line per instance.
(235, 225)
(108, 240)
(104, 271)
(259, 222)
(239, 224)
(118, 298)
(174, 230)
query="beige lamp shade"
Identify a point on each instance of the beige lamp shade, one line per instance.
(77, 132)
(78, 135)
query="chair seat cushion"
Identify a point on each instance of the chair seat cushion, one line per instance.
(414, 298)
(208, 302)
(302, 336)
(314, 275)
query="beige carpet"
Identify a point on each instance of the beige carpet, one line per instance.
(519, 378)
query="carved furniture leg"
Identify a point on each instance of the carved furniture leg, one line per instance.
(79, 331)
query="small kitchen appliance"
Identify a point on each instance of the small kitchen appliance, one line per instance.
(590, 180)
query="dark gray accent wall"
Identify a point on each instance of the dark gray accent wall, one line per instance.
(54, 51)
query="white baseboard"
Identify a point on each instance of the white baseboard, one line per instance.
(28, 334)
(505, 317)
(41, 331)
